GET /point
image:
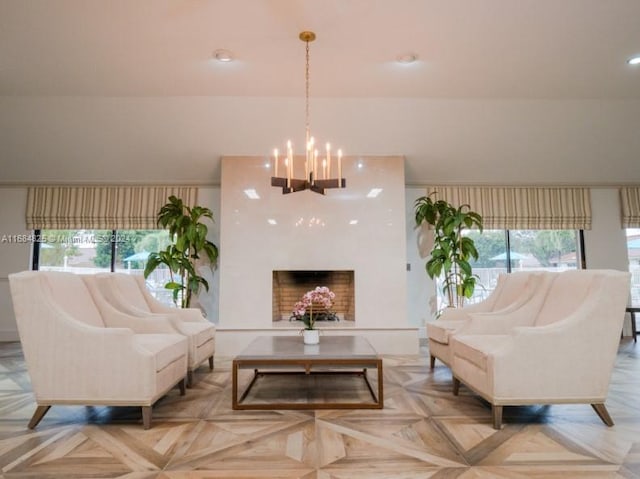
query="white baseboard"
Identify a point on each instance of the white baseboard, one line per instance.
(8, 336)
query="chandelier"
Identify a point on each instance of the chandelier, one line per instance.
(317, 170)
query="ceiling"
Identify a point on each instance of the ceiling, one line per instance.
(467, 49)
(503, 92)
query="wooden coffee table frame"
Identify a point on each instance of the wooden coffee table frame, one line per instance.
(307, 367)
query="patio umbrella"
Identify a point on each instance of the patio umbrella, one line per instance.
(513, 255)
(634, 243)
(141, 256)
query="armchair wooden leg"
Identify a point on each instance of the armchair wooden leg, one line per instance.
(38, 415)
(182, 385)
(496, 412)
(432, 361)
(601, 411)
(456, 386)
(146, 417)
(211, 362)
(189, 378)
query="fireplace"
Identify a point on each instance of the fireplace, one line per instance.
(355, 229)
(289, 286)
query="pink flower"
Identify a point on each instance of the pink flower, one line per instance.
(320, 295)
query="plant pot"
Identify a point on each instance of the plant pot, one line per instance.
(311, 336)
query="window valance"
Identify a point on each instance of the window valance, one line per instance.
(630, 205)
(523, 207)
(100, 207)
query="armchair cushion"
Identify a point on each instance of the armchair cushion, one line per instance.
(69, 293)
(199, 333)
(477, 348)
(164, 348)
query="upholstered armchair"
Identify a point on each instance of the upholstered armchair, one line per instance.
(512, 291)
(561, 351)
(129, 294)
(75, 355)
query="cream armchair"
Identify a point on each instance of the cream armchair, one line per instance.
(75, 356)
(562, 351)
(511, 292)
(129, 294)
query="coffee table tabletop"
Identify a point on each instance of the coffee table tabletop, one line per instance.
(290, 347)
(288, 355)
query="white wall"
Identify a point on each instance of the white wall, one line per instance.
(605, 243)
(420, 288)
(15, 253)
(209, 197)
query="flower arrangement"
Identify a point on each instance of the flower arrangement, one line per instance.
(321, 298)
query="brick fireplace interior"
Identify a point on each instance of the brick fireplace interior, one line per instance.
(289, 286)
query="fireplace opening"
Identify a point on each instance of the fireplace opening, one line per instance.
(289, 286)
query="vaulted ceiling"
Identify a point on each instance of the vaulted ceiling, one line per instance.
(541, 53)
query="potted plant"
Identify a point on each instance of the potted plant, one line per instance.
(189, 242)
(452, 250)
(321, 298)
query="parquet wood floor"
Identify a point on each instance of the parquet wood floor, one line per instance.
(423, 432)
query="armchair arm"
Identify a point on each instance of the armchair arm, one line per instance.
(185, 314)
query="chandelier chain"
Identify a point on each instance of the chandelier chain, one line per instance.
(306, 95)
(317, 170)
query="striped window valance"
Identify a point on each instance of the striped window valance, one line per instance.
(523, 207)
(630, 205)
(100, 207)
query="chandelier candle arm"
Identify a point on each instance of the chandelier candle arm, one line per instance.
(317, 174)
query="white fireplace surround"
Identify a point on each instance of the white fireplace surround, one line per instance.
(263, 230)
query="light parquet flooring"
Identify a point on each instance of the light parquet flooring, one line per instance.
(423, 432)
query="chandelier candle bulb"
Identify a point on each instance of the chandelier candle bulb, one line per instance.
(290, 161)
(315, 164)
(275, 161)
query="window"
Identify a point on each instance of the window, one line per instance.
(76, 251)
(506, 251)
(95, 251)
(633, 250)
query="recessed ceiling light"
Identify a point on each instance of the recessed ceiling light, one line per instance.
(374, 192)
(634, 60)
(252, 194)
(406, 58)
(223, 55)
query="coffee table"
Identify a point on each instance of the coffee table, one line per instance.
(288, 355)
